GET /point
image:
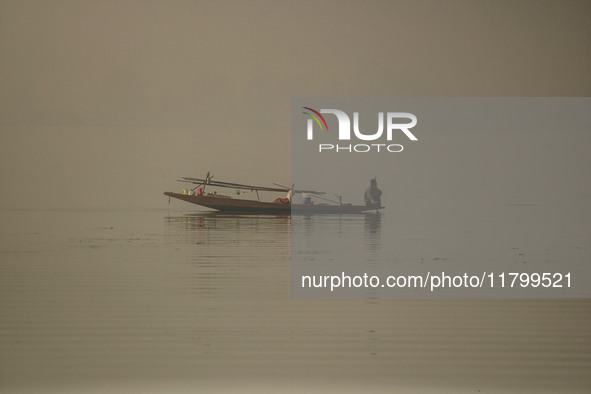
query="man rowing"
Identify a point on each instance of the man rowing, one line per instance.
(373, 195)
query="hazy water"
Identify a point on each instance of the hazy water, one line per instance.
(504, 239)
(170, 301)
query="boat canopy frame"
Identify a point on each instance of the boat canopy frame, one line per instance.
(207, 181)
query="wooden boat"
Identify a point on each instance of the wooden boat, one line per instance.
(283, 206)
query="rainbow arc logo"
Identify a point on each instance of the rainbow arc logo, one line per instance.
(316, 116)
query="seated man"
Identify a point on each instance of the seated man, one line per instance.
(373, 195)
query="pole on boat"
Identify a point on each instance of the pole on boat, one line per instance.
(207, 181)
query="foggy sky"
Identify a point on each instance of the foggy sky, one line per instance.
(106, 104)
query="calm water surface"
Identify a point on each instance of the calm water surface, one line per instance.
(173, 301)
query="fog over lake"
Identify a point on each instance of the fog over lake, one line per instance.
(106, 286)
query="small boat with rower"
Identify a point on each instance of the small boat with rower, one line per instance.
(226, 203)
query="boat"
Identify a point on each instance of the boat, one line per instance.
(280, 206)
